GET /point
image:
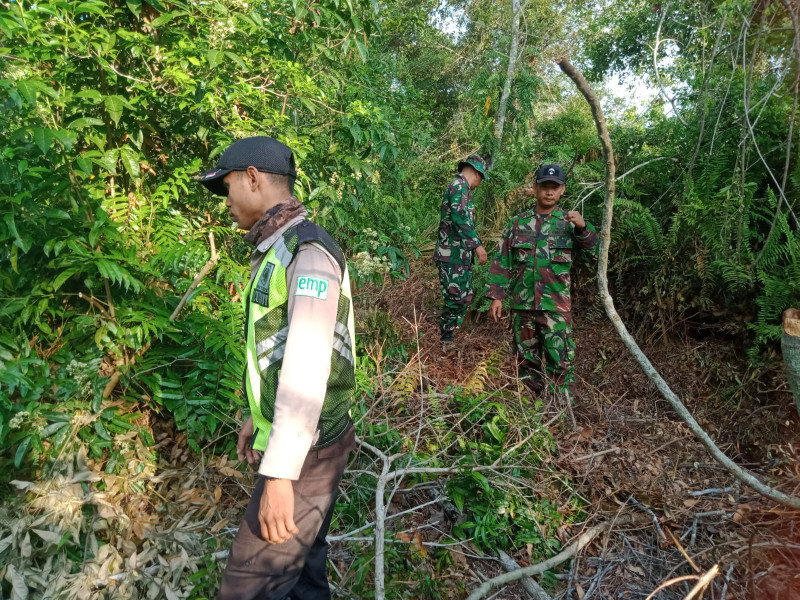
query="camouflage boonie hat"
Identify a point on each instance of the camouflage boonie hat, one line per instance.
(476, 162)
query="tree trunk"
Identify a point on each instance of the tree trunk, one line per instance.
(516, 15)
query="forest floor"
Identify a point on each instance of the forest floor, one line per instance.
(166, 524)
(628, 449)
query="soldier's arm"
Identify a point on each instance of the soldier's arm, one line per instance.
(500, 271)
(462, 220)
(306, 367)
(587, 239)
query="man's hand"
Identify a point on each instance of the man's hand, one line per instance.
(243, 449)
(496, 309)
(576, 219)
(482, 256)
(276, 513)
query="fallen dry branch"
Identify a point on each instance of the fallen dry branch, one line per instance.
(534, 589)
(608, 303)
(583, 540)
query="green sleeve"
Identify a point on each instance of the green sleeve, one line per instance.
(459, 201)
(502, 266)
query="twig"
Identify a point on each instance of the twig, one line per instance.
(198, 278)
(725, 584)
(115, 377)
(724, 490)
(599, 185)
(350, 534)
(760, 155)
(697, 517)
(652, 516)
(605, 241)
(796, 46)
(110, 300)
(703, 100)
(703, 583)
(598, 578)
(595, 454)
(569, 579)
(95, 303)
(679, 547)
(380, 518)
(670, 582)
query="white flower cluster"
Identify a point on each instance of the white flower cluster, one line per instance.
(18, 419)
(240, 4)
(79, 373)
(123, 446)
(367, 264)
(15, 72)
(372, 238)
(220, 31)
(337, 183)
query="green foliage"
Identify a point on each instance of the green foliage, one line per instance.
(108, 111)
(500, 516)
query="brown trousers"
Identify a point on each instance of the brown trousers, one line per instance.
(294, 569)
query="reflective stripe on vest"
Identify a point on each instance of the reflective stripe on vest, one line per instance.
(266, 297)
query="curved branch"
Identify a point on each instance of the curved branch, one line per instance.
(602, 279)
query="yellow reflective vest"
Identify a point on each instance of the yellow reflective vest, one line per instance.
(266, 300)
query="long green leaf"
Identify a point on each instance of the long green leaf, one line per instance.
(115, 105)
(22, 450)
(130, 160)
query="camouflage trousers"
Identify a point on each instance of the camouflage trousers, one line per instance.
(543, 336)
(456, 284)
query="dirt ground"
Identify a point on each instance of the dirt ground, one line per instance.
(628, 451)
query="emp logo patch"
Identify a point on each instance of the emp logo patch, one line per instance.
(312, 286)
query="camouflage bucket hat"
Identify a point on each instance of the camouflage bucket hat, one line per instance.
(476, 162)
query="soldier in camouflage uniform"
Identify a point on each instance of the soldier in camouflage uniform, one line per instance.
(456, 243)
(533, 264)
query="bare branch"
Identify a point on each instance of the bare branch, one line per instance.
(655, 67)
(198, 278)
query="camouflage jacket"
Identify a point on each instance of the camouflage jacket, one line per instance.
(457, 236)
(534, 260)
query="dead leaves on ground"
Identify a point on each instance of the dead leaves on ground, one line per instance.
(78, 532)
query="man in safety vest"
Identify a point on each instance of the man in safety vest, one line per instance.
(299, 377)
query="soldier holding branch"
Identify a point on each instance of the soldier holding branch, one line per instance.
(533, 265)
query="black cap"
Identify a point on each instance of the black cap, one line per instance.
(551, 172)
(266, 154)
